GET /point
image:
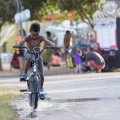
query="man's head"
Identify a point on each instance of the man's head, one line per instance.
(48, 33)
(34, 30)
(67, 32)
(84, 51)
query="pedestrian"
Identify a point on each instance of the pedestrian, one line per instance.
(93, 60)
(67, 43)
(20, 52)
(77, 59)
(47, 55)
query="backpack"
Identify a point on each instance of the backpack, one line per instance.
(71, 62)
(15, 62)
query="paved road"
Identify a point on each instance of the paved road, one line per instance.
(80, 97)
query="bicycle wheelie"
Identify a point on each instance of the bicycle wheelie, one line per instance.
(34, 78)
(33, 41)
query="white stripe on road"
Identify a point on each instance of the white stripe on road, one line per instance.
(82, 89)
(67, 79)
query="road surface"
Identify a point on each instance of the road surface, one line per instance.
(80, 97)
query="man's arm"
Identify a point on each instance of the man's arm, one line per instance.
(80, 54)
(71, 41)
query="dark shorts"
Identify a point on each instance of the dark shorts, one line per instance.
(66, 50)
(40, 62)
(96, 66)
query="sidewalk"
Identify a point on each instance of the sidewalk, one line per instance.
(55, 70)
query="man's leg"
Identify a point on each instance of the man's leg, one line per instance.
(40, 68)
(89, 65)
(99, 71)
(42, 80)
(21, 63)
(95, 66)
(66, 59)
(42, 96)
(26, 67)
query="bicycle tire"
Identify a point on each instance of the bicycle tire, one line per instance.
(34, 100)
(33, 97)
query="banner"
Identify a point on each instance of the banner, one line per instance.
(105, 33)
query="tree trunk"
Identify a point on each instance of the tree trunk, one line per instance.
(1, 69)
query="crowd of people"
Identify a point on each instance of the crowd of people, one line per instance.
(90, 58)
(85, 53)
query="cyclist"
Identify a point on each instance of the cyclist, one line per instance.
(33, 40)
(93, 60)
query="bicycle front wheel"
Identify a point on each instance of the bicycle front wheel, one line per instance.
(33, 99)
(33, 86)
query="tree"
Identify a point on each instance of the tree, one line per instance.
(8, 8)
(7, 11)
(85, 8)
(34, 6)
(39, 8)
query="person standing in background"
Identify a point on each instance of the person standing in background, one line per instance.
(19, 52)
(67, 43)
(47, 55)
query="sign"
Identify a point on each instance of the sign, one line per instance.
(22, 16)
(105, 31)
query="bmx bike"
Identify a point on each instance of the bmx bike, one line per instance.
(34, 79)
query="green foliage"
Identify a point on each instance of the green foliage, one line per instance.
(85, 8)
(6, 112)
(7, 11)
(40, 8)
(34, 6)
(8, 8)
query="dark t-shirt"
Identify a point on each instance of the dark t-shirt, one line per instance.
(95, 57)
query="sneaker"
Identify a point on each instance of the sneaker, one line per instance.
(23, 76)
(98, 71)
(92, 71)
(42, 96)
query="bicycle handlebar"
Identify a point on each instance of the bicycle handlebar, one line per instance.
(31, 51)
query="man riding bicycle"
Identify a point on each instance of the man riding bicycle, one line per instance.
(34, 40)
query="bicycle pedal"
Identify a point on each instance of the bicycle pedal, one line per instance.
(23, 90)
(23, 80)
(43, 93)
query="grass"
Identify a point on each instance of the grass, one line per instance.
(6, 112)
